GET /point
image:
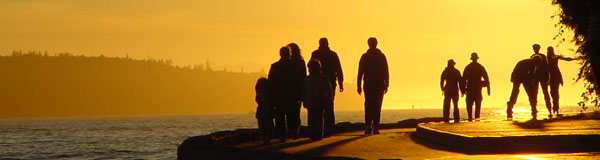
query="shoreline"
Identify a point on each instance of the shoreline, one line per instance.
(219, 145)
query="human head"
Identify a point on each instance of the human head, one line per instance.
(372, 42)
(550, 51)
(451, 63)
(294, 49)
(314, 67)
(536, 59)
(262, 83)
(323, 42)
(284, 53)
(474, 56)
(536, 48)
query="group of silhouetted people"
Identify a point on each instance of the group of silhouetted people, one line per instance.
(470, 83)
(280, 96)
(538, 70)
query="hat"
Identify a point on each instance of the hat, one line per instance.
(474, 56)
(451, 62)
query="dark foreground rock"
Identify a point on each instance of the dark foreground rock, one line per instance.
(219, 145)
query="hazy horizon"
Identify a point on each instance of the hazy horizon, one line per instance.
(418, 37)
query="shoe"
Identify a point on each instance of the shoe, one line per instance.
(282, 140)
(550, 116)
(368, 131)
(375, 131)
(266, 142)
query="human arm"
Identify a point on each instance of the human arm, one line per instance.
(360, 75)
(561, 57)
(386, 75)
(486, 79)
(442, 78)
(338, 71)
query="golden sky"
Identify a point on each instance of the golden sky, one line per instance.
(417, 36)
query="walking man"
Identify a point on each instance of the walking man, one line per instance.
(332, 70)
(451, 76)
(373, 69)
(472, 76)
(283, 92)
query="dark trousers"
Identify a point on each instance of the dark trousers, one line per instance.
(265, 129)
(544, 86)
(373, 101)
(555, 96)
(531, 93)
(315, 123)
(451, 96)
(287, 119)
(474, 96)
(329, 116)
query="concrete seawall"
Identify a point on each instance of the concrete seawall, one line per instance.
(219, 145)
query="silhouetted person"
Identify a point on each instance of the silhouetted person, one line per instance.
(555, 76)
(373, 69)
(523, 73)
(472, 76)
(280, 78)
(332, 69)
(542, 77)
(264, 110)
(452, 77)
(317, 95)
(298, 75)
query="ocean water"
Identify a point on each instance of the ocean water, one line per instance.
(153, 137)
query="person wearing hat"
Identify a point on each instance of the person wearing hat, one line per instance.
(541, 77)
(472, 76)
(452, 77)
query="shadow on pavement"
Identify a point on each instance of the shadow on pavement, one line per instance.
(532, 124)
(323, 149)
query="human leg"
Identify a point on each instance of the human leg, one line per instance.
(378, 100)
(315, 123)
(293, 120)
(544, 86)
(555, 96)
(280, 127)
(531, 88)
(513, 99)
(456, 111)
(478, 106)
(446, 108)
(368, 114)
(329, 116)
(470, 101)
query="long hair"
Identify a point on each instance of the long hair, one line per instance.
(550, 51)
(295, 49)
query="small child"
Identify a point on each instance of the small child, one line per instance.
(264, 110)
(317, 92)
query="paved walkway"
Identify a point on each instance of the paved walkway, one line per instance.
(410, 144)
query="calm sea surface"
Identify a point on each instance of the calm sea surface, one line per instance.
(152, 137)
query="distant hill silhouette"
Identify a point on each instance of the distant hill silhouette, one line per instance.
(38, 85)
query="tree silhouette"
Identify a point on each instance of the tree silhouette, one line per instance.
(574, 16)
